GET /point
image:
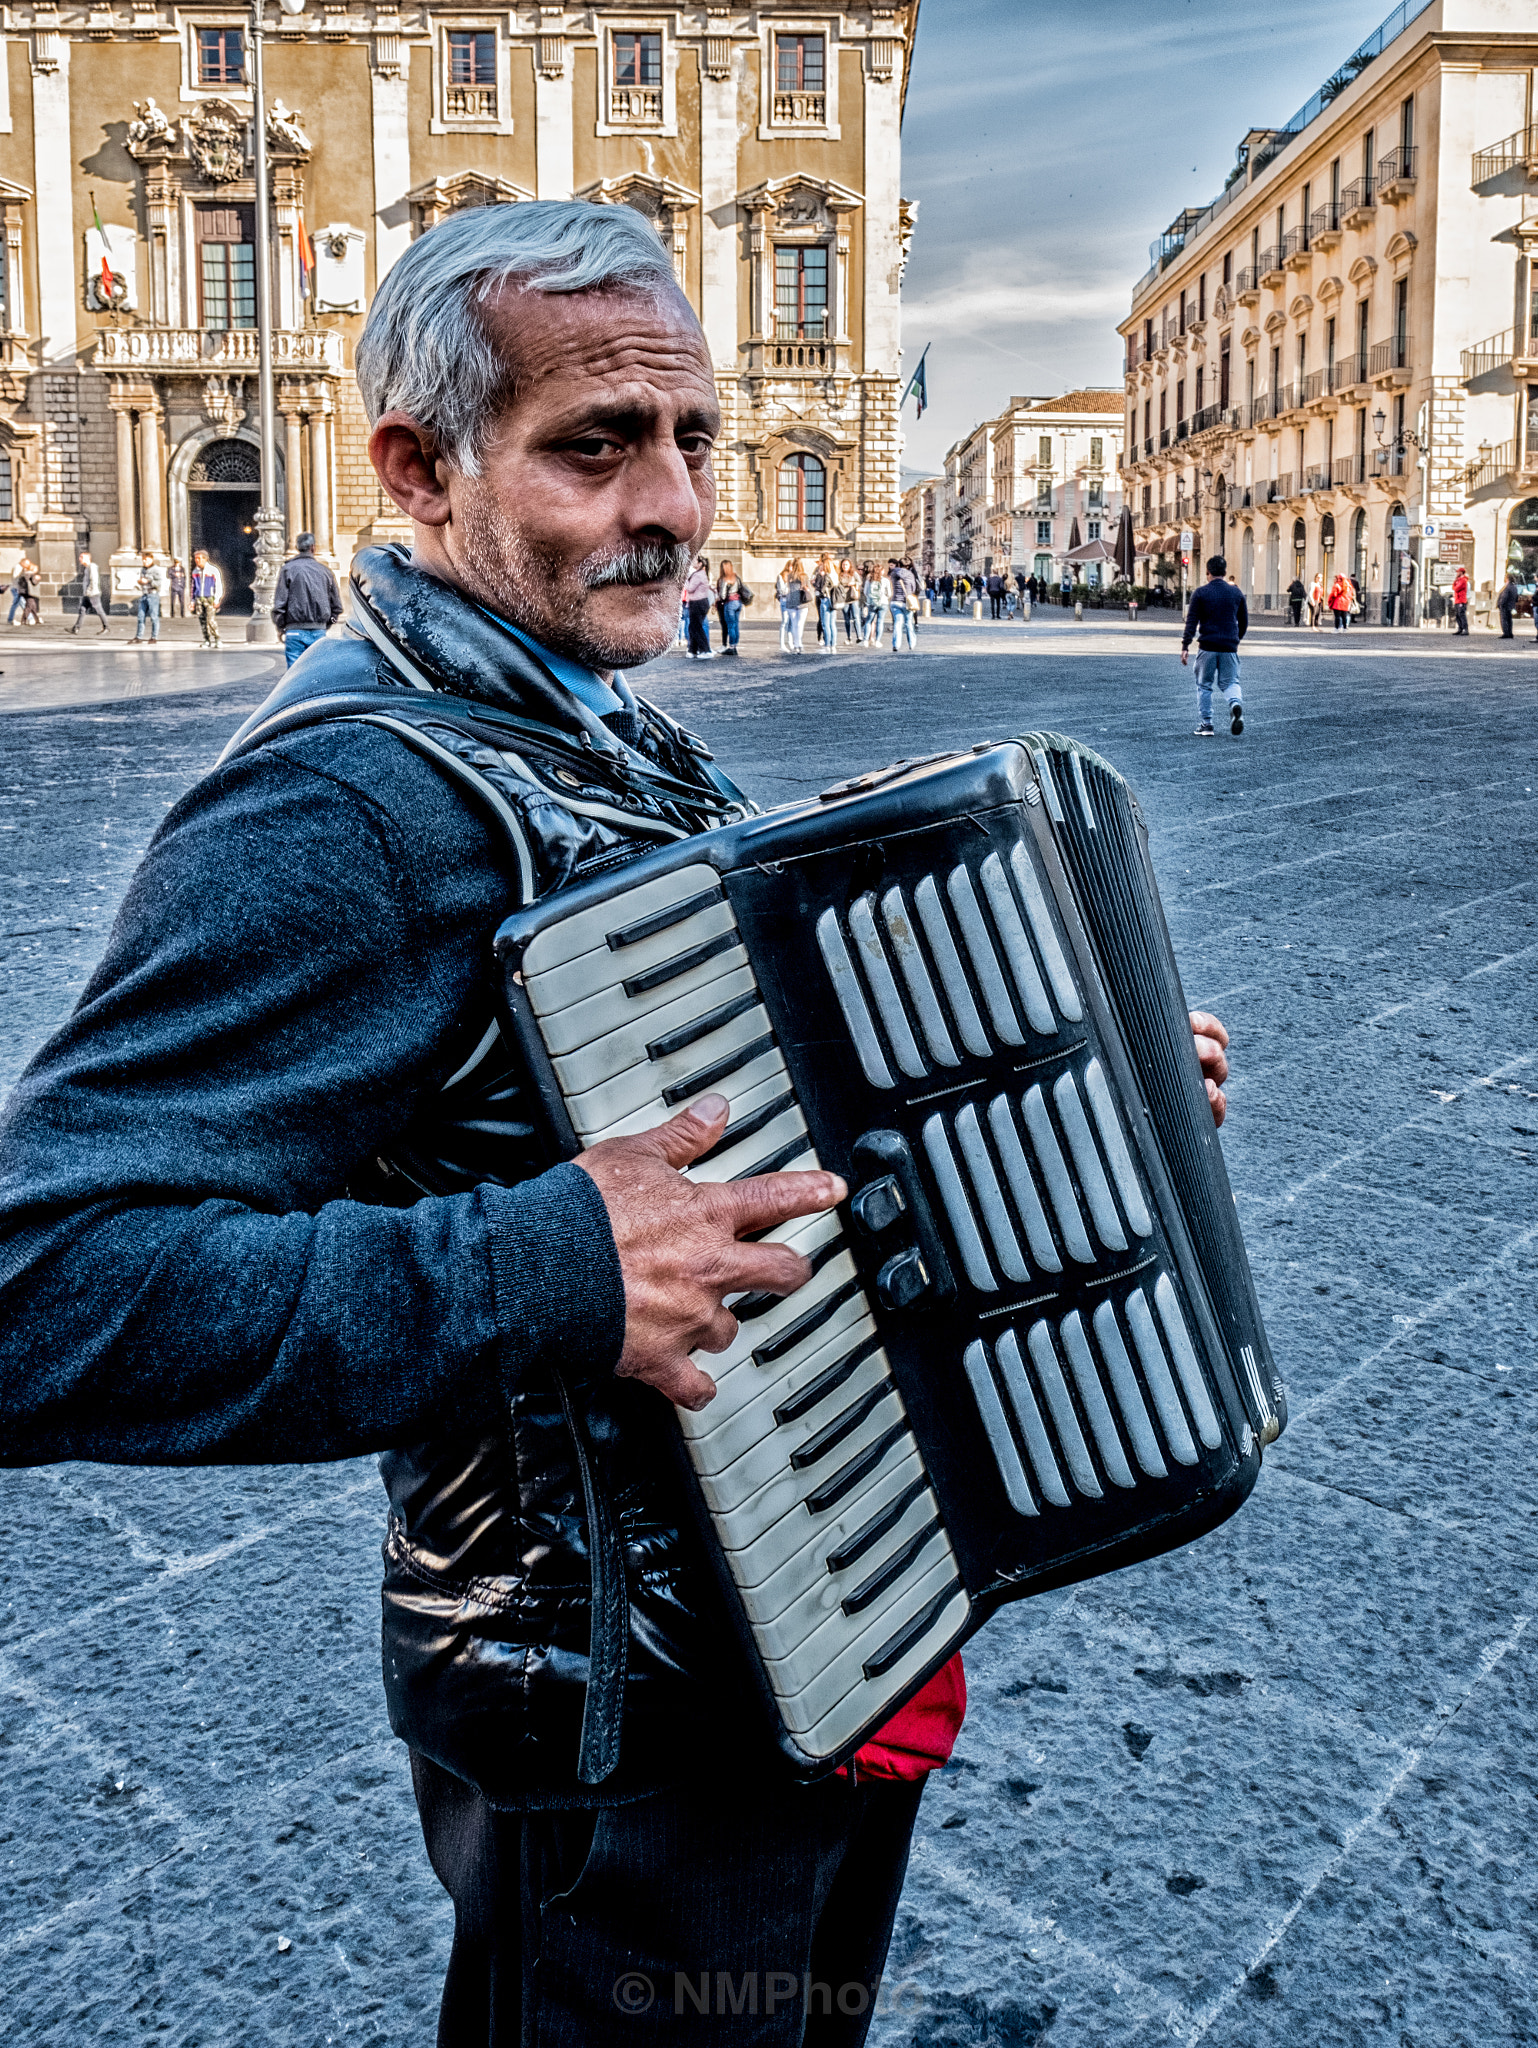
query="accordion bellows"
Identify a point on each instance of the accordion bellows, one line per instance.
(1030, 1349)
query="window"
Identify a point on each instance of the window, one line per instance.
(1201, 379)
(803, 495)
(1044, 533)
(800, 79)
(221, 56)
(1224, 367)
(1092, 529)
(1201, 296)
(801, 292)
(1182, 313)
(227, 265)
(1097, 494)
(1228, 268)
(1180, 401)
(1164, 410)
(1044, 451)
(7, 492)
(637, 58)
(1407, 125)
(1147, 419)
(1097, 451)
(1367, 162)
(470, 88)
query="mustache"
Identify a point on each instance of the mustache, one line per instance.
(647, 562)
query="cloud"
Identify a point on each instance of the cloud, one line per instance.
(969, 309)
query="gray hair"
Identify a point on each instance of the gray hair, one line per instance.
(425, 349)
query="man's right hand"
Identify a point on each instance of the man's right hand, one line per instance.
(680, 1248)
(1185, 657)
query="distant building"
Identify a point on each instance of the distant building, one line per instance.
(1334, 366)
(1015, 486)
(921, 504)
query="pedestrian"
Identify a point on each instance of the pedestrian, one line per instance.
(306, 603)
(849, 587)
(793, 591)
(1340, 603)
(147, 611)
(1297, 596)
(1316, 600)
(995, 589)
(878, 603)
(176, 586)
(1461, 601)
(18, 589)
(825, 590)
(207, 595)
(1032, 587)
(731, 595)
(1506, 604)
(32, 584)
(905, 603)
(696, 601)
(1217, 618)
(90, 593)
(947, 589)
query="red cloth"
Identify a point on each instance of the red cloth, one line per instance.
(921, 1735)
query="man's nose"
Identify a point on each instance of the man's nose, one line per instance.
(664, 491)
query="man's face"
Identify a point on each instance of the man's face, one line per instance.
(596, 485)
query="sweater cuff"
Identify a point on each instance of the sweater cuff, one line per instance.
(559, 1292)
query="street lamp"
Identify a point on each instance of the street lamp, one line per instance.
(269, 520)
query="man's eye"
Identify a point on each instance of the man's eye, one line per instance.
(593, 447)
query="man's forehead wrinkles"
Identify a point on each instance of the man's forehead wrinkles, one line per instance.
(616, 356)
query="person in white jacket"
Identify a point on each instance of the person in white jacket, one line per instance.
(207, 596)
(878, 603)
(792, 589)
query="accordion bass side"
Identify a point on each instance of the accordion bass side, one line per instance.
(1030, 1350)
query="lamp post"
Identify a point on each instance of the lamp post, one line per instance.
(269, 520)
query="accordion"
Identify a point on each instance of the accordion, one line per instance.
(1030, 1350)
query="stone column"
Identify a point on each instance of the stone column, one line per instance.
(53, 177)
(320, 482)
(127, 523)
(152, 472)
(553, 133)
(390, 86)
(293, 468)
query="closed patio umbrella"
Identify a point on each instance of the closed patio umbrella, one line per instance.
(1125, 560)
(1074, 536)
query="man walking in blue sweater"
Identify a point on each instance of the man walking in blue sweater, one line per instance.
(1217, 620)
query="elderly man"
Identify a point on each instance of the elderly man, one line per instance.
(275, 1190)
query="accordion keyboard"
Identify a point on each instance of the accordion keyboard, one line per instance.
(805, 1458)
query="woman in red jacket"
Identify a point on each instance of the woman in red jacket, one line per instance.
(1340, 603)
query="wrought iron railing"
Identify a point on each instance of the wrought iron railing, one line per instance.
(1393, 354)
(1505, 155)
(1486, 356)
(1356, 196)
(1349, 469)
(1398, 166)
(1324, 220)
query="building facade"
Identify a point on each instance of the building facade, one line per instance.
(1023, 489)
(1334, 367)
(922, 505)
(764, 148)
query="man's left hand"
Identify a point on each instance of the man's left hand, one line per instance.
(1211, 1038)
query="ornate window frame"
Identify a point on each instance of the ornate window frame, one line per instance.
(441, 122)
(187, 26)
(772, 25)
(665, 121)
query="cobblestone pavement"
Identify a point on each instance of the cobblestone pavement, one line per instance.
(1275, 1789)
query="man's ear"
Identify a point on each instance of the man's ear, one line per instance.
(404, 456)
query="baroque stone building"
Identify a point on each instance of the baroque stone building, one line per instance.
(1024, 489)
(1334, 366)
(763, 146)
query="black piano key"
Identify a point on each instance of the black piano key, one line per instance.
(707, 1077)
(828, 1382)
(887, 1574)
(827, 1439)
(774, 1161)
(669, 970)
(735, 1133)
(854, 1547)
(701, 1027)
(643, 928)
(787, 1339)
(914, 1632)
(751, 1306)
(848, 1476)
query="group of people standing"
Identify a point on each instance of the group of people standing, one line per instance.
(866, 597)
(1341, 600)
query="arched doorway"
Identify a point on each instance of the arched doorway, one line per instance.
(1327, 548)
(1273, 564)
(1393, 563)
(1359, 552)
(223, 494)
(1522, 541)
(1247, 562)
(1299, 548)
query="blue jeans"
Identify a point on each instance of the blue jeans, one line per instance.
(1220, 671)
(825, 621)
(149, 609)
(902, 616)
(731, 613)
(297, 639)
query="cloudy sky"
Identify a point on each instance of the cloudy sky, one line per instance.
(1047, 146)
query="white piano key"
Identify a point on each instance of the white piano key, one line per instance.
(1049, 1377)
(915, 972)
(1186, 1363)
(558, 943)
(850, 991)
(739, 1458)
(1017, 947)
(769, 1570)
(810, 1682)
(601, 970)
(764, 1077)
(746, 1396)
(1059, 973)
(758, 1487)
(1097, 1189)
(958, 1209)
(824, 1592)
(775, 1135)
(1156, 1371)
(624, 1043)
(1054, 1172)
(995, 1427)
(1022, 1185)
(866, 1453)
(597, 1015)
(953, 977)
(883, 988)
(1081, 1363)
(862, 1706)
(1118, 1156)
(755, 1379)
(985, 961)
(1129, 1395)
(606, 1096)
(1037, 1442)
(990, 1198)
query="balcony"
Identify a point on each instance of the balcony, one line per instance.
(1260, 409)
(1390, 461)
(1389, 362)
(800, 110)
(1324, 229)
(1396, 174)
(1281, 487)
(1247, 287)
(1269, 269)
(1314, 386)
(636, 106)
(1511, 153)
(469, 103)
(1497, 465)
(1148, 449)
(1164, 439)
(1284, 400)
(201, 349)
(1357, 204)
(1295, 249)
(1348, 472)
(1182, 430)
(1318, 478)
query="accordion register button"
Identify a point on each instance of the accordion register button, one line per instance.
(903, 1279)
(878, 1205)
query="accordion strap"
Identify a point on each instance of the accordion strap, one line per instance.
(609, 1637)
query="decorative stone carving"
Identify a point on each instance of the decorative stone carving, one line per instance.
(224, 401)
(215, 139)
(120, 247)
(907, 221)
(666, 204)
(439, 197)
(339, 281)
(284, 131)
(151, 131)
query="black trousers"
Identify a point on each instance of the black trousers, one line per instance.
(699, 637)
(724, 1911)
